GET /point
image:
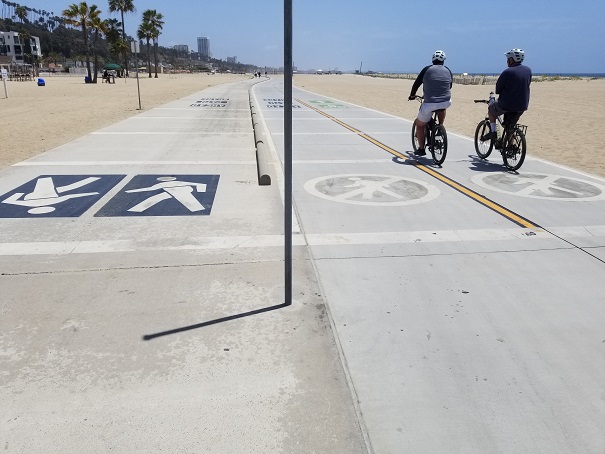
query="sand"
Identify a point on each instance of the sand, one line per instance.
(562, 117)
(36, 119)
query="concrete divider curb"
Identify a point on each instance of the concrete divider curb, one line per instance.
(262, 148)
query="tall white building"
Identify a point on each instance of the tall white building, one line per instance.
(203, 47)
(12, 45)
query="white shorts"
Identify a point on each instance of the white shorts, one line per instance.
(427, 108)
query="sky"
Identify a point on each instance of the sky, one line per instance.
(558, 36)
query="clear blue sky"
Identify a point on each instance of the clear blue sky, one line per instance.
(387, 35)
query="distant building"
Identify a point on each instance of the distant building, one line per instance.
(182, 49)
(203, 47)
(231, 59)
(11, 45)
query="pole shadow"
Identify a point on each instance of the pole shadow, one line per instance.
(148, 337)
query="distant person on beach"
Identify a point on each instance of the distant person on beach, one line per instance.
(513, 89)
(437, 83)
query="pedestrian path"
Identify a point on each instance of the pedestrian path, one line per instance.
(142, 297)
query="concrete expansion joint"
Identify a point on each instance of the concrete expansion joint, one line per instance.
(129, 268)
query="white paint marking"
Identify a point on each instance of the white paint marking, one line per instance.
(160, 133)
(319, 239)
(130, 163)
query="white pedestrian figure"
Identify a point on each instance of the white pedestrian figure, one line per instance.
(171, 188)
(367, 188)
(45, 194)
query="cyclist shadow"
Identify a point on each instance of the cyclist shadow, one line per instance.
(482, 165)
(412, 160)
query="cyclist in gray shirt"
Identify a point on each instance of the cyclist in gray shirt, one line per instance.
(437, 83)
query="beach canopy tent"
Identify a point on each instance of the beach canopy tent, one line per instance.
(114, 67)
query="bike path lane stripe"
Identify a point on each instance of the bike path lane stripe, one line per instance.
(494, 206)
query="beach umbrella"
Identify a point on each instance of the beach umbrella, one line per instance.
(112, 66)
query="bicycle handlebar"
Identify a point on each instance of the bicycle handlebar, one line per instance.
(484, 101)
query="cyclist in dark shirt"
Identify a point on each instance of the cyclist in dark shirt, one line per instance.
(437, 83)
(513, 90)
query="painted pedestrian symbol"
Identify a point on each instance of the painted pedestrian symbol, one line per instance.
(373, 190)
(541, 186)
(56, 196)
(162, 195)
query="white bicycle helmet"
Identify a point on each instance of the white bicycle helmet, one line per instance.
(516, 54)
(439, 55)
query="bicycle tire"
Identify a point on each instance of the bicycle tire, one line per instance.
(414, 138)
(483, 149)
(514, 149)
(439, 144)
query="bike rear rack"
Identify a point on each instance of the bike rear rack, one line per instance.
(521, 128)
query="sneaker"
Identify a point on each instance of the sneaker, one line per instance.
(489, 136)
(420, 152)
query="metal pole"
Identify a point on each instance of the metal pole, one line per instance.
(136, 62)
(288, 150)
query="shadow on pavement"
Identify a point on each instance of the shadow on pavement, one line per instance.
(148, 337)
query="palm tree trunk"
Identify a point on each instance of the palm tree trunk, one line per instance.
(124, 38)
(155, 56)
(87, 52)
(149, 58)
(96, 58)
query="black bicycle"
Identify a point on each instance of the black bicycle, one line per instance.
(435, 137)
(512, 143)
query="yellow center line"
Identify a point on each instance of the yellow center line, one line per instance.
(503, 211)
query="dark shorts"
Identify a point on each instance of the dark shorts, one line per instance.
(509, 117)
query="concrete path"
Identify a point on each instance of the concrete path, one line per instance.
(469, 301)
(455, 309)
(142, 278)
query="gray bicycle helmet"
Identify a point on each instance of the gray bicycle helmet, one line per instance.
(516, 54)
(439, 55)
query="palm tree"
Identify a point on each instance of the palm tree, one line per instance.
(156, 23)
(80, 16)
(21, 13)
(145, 32)
(98, 26)
(123, 6)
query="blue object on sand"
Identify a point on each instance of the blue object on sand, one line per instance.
(41, 82)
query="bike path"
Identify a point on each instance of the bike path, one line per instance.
(141, 276)
(466, 300)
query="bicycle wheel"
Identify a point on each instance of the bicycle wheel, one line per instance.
(514, 149)
(439, 144)
(483, 149)
(414, 138)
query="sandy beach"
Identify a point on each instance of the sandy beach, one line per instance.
(38, 119)
(561, 117)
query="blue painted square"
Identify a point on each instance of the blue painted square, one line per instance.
(164, 195)
(51, 196)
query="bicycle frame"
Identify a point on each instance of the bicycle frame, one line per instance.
(435, 136)
(511, 143)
